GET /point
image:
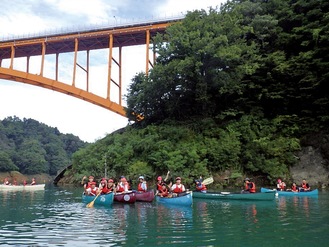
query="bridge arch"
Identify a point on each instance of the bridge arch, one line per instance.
(77, 42)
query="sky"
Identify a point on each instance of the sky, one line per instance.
(71, 115)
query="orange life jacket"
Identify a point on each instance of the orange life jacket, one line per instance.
(251, 189)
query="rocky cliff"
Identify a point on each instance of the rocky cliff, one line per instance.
(313, 161)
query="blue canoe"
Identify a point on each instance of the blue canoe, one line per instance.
(291, 193)
(103, 200)
(182, 200)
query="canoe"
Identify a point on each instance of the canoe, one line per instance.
(147, 196)
(125, 197)
(183, 200)
(292, 193)
(101, 200)
(258, 196)
(22, 187)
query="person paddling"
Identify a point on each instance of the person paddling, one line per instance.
(249, 187)
(87, 185)
(178, 187)
(280, 186)
(294, 187)
(304, 186)
(123, 185)
(200, 187)
(142, 186)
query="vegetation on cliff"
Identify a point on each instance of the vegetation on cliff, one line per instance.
(234, 88)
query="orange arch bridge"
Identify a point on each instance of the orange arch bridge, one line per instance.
(16, 56)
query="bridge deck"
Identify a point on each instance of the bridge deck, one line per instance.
(125, 35)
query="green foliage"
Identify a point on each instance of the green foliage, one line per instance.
(33, 148)
(6, 164)
(234, 88)
(248, 145)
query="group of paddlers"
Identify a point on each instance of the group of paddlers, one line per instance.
(7, 182)
(123, 186)
(107, 186)
(281, 186)
(172, 190)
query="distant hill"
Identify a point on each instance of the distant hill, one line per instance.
(31, 147)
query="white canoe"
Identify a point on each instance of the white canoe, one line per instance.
(22, 187)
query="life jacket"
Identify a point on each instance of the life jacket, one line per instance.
(141, 187)
(178, 188)
(281, 186)
(105, 190)
(163, 192)
(201, 187)
(109, 189)
(88, 185)
(122, 186)
(251, 189)
(294, 188)
(93, 191)
(159, 186)
(304, 186)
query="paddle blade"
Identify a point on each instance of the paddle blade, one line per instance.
(208, 181)
(90, 204)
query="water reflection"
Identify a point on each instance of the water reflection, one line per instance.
(57, 217)
(300, 205)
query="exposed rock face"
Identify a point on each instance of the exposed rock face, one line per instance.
(314, 159)
(312, 166)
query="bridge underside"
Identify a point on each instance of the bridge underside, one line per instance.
(75, 43)
(37, 80)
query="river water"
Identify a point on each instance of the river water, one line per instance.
(57, 217)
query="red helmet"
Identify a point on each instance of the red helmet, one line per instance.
(159, 178)
(110, 181)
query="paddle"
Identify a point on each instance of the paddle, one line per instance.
(91, 204)
(208, 181)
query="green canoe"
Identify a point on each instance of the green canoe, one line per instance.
(268, 196)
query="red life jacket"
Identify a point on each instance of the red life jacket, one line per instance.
(139, 188)
(122, 186)
(109, 189)
(88, 185)
(294, 188)
(201, 187)
(163, 192)
(304, 186)
(178, 189)
(105, 190)
(93, 192)
(159, 187)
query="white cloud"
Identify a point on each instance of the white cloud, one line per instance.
(174, 6)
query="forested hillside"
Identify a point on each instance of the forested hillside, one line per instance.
(31, 147)
(234, 88)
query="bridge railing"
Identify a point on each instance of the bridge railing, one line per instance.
(76, 29)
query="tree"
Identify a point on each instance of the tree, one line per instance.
(199, 71)
(6, 163)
